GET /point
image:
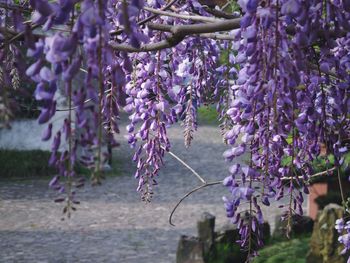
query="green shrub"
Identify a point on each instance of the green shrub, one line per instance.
(208, 115)
(277, 251)
(227, 253)
(114, 171)
(291, 251)
(15, 163)
(34, 163)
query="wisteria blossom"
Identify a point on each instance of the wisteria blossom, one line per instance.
(277, 72)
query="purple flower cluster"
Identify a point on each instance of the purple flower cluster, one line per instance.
(166, 86)
(150, 115)
(194, 80)
(156, 88)
(89, 107)
(286, 101)
(343, 229)
(128, 20)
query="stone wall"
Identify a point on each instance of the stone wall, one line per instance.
(324, 245)
(26, 134)
(205, 247)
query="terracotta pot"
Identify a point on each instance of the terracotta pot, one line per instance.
(316, 190)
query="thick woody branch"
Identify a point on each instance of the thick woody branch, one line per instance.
(168, 43)
(220, 26)
(13, 36)
(179, 32)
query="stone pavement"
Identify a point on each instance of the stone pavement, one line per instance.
(112, 224)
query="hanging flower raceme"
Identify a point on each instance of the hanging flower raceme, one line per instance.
(194, 81)
(280, 84)
(59, 61)
(150, 115)
(185, 80)
(343, 229)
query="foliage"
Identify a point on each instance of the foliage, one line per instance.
(115, 169)
(35, 163)
(322, 164)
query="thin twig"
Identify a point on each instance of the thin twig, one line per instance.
(311, 176)
(341, 187)
(188, 167)
(182, 16)
(147, 19)
(218, 36)
(188, 194)
(15, 7)
(322, 173)
(85, 101)
(221, 14)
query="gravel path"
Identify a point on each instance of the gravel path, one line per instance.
(112, 224)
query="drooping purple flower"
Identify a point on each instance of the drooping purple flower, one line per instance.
(47, 133)
(291, 7)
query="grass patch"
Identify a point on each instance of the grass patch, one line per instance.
(115, 170)
(34, 163)
(208, 115)
(15, 164)
(291, 251)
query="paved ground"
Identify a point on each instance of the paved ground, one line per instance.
(112, 224)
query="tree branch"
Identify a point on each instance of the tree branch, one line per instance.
(219, 26)
(167, 43)
(217, 36)
(179, 32)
